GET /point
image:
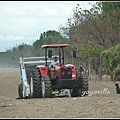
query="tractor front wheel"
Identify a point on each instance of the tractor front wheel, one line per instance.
(74, 92)
(46, 87)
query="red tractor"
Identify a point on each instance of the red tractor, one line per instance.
(47, 79)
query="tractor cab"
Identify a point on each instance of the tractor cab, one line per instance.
(58, 49)
(60, 72)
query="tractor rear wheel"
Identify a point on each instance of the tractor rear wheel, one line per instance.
(84, 85)
(36, 78)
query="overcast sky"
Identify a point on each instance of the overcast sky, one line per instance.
(24, 21)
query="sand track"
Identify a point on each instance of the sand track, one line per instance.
(104, 104)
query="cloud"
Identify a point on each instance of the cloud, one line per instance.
(26, 20)
(17, 38)
(7, 42)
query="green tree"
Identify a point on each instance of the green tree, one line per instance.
(111, 58)
(48, 37)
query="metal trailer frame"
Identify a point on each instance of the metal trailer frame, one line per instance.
(28, 61)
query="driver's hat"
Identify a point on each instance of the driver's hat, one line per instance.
(55, 56)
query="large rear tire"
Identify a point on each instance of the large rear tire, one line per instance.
(36, 78)
(84, 86)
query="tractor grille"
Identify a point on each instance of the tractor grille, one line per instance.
(66, 73)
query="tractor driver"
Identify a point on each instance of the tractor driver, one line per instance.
(55, 61)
